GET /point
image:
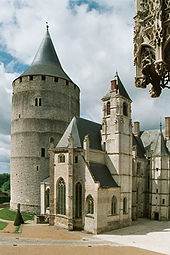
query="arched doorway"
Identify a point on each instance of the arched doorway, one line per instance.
(156, 216)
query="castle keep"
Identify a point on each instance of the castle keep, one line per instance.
(44, 101)
(78, 174)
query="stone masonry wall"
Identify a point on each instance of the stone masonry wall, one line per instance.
(31, 128)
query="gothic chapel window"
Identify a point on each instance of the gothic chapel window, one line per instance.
(61, 197)
(108, 108)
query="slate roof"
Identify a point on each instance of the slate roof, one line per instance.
(46, 61)
(152, 140)
(79, 128)
(47, 180)
(102, 175)
(160, 148)
(120, 89)
(139, 146)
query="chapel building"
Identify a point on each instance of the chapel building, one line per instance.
(104, 176)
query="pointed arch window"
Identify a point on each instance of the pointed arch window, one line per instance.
(125, 109)
(90, 205)
(61, 198)
(78, 200)
(108, 108)
(125, 205)
(113, 206)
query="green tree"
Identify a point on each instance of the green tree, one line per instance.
(6, 186)
(4, 178)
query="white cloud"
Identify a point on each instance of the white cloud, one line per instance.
(91, 46)
(5, 116)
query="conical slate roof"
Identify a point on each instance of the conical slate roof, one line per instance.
(79, 128)
(46, 61)
(120, 89)
(160, 148)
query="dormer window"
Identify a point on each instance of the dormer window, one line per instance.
(108, 108)
(125, 109)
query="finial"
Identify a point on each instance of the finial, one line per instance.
(47, 26)
(160, 124)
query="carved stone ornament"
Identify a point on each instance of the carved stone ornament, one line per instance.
(152, 45)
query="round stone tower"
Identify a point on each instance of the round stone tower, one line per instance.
(43, 103)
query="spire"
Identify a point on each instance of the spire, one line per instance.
(120, 89)
(46, 61)
(160, 126)
(47, 26)
(160, 148)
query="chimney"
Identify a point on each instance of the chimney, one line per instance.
(136, 128)
(113, 85)
(167, 128)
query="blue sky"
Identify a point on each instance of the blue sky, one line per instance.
(11, 63)
(91, 5)
(93, 40)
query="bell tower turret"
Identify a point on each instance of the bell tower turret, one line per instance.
(117, 141)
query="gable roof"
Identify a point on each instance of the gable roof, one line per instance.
(46, 61)
(79, 128)
(102, 175)
(120, 89)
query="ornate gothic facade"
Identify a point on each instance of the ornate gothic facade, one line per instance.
(152, 44)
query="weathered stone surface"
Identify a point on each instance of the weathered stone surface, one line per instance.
(32, 126)
(152, 45)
